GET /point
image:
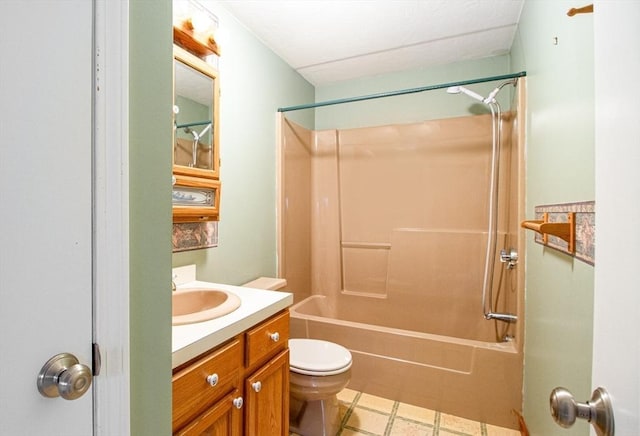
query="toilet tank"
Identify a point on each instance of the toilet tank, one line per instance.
(268, 283)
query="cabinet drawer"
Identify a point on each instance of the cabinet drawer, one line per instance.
(267, 338)
(193, 389)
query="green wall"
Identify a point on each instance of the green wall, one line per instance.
(560, 168)
(254, 82)
(150, 101)
(411, 107)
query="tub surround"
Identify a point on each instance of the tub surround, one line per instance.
(392, 220)
(191, 340)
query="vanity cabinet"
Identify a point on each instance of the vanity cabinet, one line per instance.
(267, 393)
(239, 388)
(196, 148)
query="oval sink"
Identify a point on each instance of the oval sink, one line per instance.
(189, 306)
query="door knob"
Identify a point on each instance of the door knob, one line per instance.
(598, 410)
(63, 376)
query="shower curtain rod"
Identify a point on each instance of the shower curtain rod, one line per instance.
(401, 92)
(197, 123)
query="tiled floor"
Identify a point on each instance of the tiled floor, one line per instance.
(364, 414)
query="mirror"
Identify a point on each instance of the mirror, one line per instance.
(195, 147)
(196, 161)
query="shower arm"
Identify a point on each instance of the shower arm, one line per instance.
(491, 98)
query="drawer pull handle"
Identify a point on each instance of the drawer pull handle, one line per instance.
(275, 337)
(257, 386)
(238, 402)
(212, 379)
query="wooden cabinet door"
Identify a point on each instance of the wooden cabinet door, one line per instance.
(267, 398)
(222, 419)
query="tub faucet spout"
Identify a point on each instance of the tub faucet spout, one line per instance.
(506, 317)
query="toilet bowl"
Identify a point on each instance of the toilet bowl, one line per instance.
(318, 371)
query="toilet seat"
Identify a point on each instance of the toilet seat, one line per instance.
(318, 358)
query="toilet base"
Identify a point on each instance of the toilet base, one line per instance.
(315, 418)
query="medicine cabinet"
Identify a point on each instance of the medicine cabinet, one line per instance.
(196, 148)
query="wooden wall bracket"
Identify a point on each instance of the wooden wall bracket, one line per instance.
(565, 230)
(583, 10)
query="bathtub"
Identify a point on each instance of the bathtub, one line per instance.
(465, 377)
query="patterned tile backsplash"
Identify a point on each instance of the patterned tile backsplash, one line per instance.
(585, 221)
(194, 236)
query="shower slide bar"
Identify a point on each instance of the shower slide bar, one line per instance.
(401, 92)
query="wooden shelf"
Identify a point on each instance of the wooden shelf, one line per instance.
(563, 230)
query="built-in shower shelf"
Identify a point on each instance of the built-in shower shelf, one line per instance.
(565, 230)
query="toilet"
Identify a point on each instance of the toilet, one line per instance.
(318, 370)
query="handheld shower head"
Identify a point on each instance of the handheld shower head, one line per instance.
(463, 90)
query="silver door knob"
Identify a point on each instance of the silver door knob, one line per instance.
(598, 410)
(63, 376)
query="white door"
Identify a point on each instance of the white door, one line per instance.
(616, 351)
(45, 215)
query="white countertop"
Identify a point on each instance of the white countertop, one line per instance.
(256, 305)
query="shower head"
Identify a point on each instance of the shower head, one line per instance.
(463, 90)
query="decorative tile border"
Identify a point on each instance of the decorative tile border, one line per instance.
(194, 236)
(585, 228)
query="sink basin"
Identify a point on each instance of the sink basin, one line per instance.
(189, 306)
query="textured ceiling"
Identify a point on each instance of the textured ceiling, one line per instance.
(328, 41)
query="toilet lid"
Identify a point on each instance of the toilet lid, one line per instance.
(316, 357)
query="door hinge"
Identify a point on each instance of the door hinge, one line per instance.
(97, 360)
